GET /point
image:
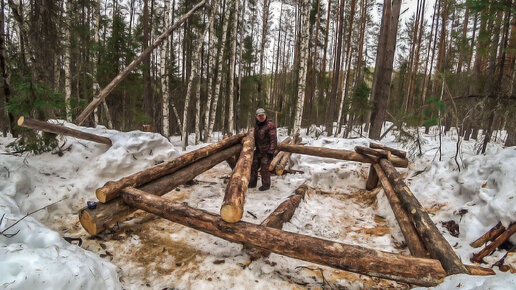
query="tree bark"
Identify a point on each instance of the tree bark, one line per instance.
(231, 80)
(105, 215)
(61, 130)
(122, 75)
(425, 272)
(165, 103)
(432, 238)
(67, 61)
(232, 208)
(337, 154)
(111, 189)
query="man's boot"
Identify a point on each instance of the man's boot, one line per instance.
(264, 187)
(252, 181)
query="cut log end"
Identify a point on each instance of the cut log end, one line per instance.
(88, 223)
(102, 195)
(231, 213)
(21, 120)
(479, 271)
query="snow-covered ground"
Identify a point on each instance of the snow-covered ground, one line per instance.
(148, 252)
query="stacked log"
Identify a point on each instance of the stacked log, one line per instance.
(397, 152)
(504, 236)
(105, 215)
(112, 188)
(233, 206)
(418, 271)
(490, 235)
(285, 159)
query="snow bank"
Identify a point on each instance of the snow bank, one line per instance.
(38, 256)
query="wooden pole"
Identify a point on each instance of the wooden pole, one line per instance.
(419, 271)
(232, 208)
(336, 153)
(105, 215)
(492, 234)
(111, 189)
(432, 238)
(397, 152)
(414, 243)
(282, 164)
(477, 258)
(122, 75)
(61, 130)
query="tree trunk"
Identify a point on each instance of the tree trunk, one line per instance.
(231, 80)
(111, 189)
(432, 238)
(5, 89)
(106, 215)
(147, 93)
(67, 61)
(164, 75)
(425, 272)
(232, 208)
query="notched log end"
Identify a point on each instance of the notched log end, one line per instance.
(231, 213)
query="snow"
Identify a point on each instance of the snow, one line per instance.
(151, 252)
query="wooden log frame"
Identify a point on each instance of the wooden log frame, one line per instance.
(376, 152)
(418, 271)
(282, 164)
(61, 130)
(436, 244)
(111, 189)
(492, 234)
(477, 258)
(337, 154)
(397, 152)
(232, 207)
(126, 71)
(105, 215)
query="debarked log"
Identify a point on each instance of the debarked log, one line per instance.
(434, 242)
(112, 188)
(106, 215)
(337, 154)
(419, 271)
(232, 207)
(61, 130)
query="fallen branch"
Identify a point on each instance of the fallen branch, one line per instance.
(492, 234)
(477, 258)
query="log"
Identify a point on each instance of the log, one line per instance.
(397, 152)
(434, 242)
(276, 160)
(477, 258)
(61, 130)
(492, 234)
(419, 271)
(414, 243)
(479, 271)
(337, 154)
(282, 164)
(285, 141)
(372, 178)
(111, 189)
(233, 159)
(126, 71)
(106, 215)
(290, 171)
(376, 152)
(232, 208)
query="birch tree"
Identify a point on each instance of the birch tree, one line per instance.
(67, 61)
(234, 29)
(164, 74)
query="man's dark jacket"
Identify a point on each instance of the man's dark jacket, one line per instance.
(265, 137)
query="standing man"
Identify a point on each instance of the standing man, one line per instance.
(265, 140)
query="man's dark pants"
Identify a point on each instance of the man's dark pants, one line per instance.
(261, 161)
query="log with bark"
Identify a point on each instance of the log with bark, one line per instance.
(479, 271)
(282, 164)
(337, 154)
(418, 271)
(434, 242)
(477, 258)
(276, 160)
(376, 152)
(397, 152)
(372, 178)
(61, 130)
(492, 234)
(106, 215)
(112, 188)
(285, 141)
(232, 208)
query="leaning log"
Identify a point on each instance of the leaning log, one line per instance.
(276, 160)
(111, 189)
(477, 258)
(492, 234)
(285, 141)
(106, 215)
(61, 130)
(126, 71)
(414, 243)
(372, 178)
(232, 208)
(397, 152)
(434, 242)
(419, 271)
(282, 164)
(337, 154)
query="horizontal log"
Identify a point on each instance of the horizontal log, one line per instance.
(414, 243)
(105, 215)
(337, 154)
(492, 234)
(477, 258)
(376, 152)
(397, 152)
(61, 130)
(111, 189)
(419, 271)
(285, 141)
(232, 207)
(434, 242)
(290, 171)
